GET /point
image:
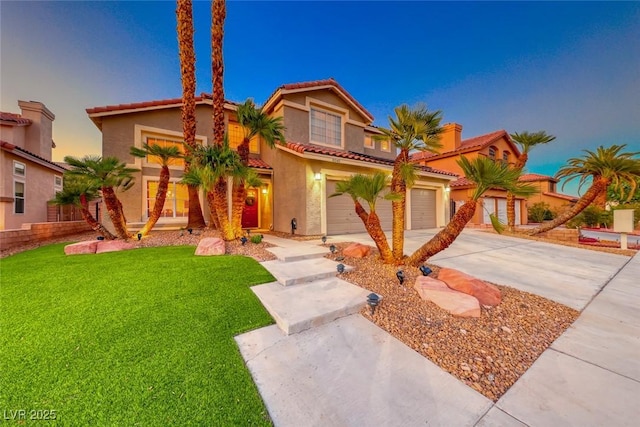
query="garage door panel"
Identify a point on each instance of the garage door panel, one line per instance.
(423, 208)
(342, 218)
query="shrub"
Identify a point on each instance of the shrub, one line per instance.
(593, 216)
(539, 211)
(256, 238)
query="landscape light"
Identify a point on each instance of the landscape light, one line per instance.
(190, 230)
(340, 268)
(373, 300)
(139, 236)
(324, 239)
(332, 248)
(100, 237)
(425, 270)
(400, 276)
(243, 240)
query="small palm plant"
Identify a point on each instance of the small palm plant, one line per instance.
(369, 188)
(110, 175)
(164, 155)
(605, 167)
(486, 174)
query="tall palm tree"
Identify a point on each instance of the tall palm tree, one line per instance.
(215, 164)
(411, 130)
(79, 191)
(526, 141)
(165, 156)
(270, 129)
(369, 188)
(184, 13)
(605, 167)
(486, 174)
(111, 175)
(218, 15)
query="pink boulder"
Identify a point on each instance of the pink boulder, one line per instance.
(211, 246)
(356, 250)
(81, 248)
(113, 246)
(456, 303)
(485, 293)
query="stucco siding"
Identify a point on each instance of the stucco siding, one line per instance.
(297, 125)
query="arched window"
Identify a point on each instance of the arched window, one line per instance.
(492, 153)
(505, 156)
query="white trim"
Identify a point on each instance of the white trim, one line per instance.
(323, 107)
(140, 131)
(24, 196)
(24, 167)
(162, 220)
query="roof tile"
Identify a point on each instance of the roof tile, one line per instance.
(259, 164)
(14, 118)
(467, 144)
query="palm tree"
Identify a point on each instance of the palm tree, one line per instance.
(184, 13)
(79, 191)
(605, 167)
(486, 174)
(368, 188)
(214, 165)
(411, 130)
(165, 155)
(526, 141)
(254, 122)
(110, 175)
(218, 15)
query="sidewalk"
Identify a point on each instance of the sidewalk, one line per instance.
(346, 371)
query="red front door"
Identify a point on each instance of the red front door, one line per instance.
(250, 211)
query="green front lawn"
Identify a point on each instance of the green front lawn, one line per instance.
(140, 337)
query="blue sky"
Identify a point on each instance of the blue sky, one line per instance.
(570, 68)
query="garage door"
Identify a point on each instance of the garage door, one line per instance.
(502, 211)
(341, 215)
(488, 207)
(423, 208)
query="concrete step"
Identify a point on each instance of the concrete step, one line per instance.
(297, 308)
(299, 253)
(306, 270)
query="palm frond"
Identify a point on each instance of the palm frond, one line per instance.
(496, 223)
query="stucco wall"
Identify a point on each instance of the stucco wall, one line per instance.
(297, 125)
(40, 232)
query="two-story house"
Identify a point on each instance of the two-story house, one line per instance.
(29, 178)
(328, 137)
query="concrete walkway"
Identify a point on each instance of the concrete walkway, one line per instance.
(336, 368)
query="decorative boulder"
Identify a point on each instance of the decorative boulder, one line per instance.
(114, 246)
(356, 250)
(211, 246)
(485, 293)
(456, 303)
(81, 248)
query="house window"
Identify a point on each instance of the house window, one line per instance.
(326, 128)
(505, 157)
(492, 153)
(236, 135)
(57, 184)
(164, 142)
(176, 204)
(18, 197)
(552, 186)
(19, 169)
(369, 142)
(385, 145)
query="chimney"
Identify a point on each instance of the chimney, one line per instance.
(39, 135)
(450, 137)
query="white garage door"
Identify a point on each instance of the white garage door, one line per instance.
(488, 207)
(342, 217)
(423, 208)
(502, 210)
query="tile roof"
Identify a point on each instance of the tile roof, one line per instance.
(561, 196)
(21, 152)
(149, 104)
(308, 148)
(462, 182)
(14, 118)
(320, 83)
(259, 164)
(531, 177)
(477, 142)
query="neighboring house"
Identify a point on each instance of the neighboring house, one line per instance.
(29, 178)
(495, 145)
(547, 193)
(328, 138)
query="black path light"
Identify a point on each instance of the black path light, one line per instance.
(340, 268)
(373, 300)
(400, 276)
(100, 237)
(190, 230)
(425, 270)
(333, 249)
(139, 236)
(324, 239)
(244, 240)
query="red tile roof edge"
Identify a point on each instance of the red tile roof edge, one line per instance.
(149, 104)
(11, 147)
(530, 177)
(15, 118)
(480, 141)
(304, 148)
(258, 163)
(561, 196)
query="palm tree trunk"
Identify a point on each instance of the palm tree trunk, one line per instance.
(237, 206)
(218, 14)
(161, 196)
(220, 202)
(214, 223)
(398, 207)
(598, 186)
(446, 236)
(93, 223)
(114, 209)
(372, 224)
(184, 14)
(511, 198)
